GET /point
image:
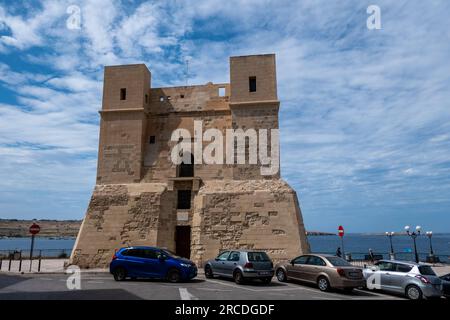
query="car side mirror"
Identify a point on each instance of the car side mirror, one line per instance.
(292, 262)
(162, 258)
(374, 268)
(217, 259)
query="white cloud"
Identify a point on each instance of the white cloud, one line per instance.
(364, 114)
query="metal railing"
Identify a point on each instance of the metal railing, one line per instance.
(361, 259)
(10, 258)
(44, 253)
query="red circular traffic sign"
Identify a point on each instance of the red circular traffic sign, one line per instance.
(341, 231)
(34, 229)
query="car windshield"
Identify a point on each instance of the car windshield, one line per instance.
(338, 262)
(170, 253)
(257, 256)
(426, 271)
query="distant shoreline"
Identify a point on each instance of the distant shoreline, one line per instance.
(15, 228)
(68, 229)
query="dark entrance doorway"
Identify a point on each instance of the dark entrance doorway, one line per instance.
(183, 241)
(186, 169)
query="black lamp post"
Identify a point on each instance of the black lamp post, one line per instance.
(390, 235)
(414, 235)
(431, 257)
(429, 235)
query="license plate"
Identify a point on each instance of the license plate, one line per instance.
(264, 273)
(354, 274)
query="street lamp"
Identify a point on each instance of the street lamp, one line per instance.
(414, 235)
(429, 235)
(390, 235)
(431, 257)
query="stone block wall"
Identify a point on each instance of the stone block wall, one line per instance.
(252, 214)
(121, 215)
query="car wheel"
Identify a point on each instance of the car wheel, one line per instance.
(208, 272)
(413, 292)
(281, 275)
(238, 277)
(266, 280)
(323, 284)
(120, 274)
(173, 276)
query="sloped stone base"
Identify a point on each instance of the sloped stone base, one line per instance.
(120, 216)
(250, 214)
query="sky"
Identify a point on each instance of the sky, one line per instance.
(364, 117)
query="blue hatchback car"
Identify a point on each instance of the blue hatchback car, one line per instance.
(151, 262)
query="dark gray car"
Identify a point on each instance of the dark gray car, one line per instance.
(241, 265)
(446, 285)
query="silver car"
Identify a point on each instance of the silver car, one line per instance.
(415, 280)
(241, 265)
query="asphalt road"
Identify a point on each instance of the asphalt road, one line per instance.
(102, 286)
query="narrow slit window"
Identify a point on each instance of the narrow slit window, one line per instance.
(152, 140)
(123, 94)
(146, 98)
(184, 199)
(252, 84)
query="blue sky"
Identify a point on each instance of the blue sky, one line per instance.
(365, 114)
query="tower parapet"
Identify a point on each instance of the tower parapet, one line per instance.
(126, 96)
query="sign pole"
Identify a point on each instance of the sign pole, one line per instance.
(341, 235)
(31, 250)
(34, 229)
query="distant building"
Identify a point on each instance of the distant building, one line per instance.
(196, 210)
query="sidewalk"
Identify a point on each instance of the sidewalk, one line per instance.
(47, 266)
(441, 270)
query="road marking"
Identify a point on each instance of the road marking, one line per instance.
(257, 290)
(92, 281)
(211, 289)
(291, 287)
(46, 279)
(230, 285)
(377, 294)
(185, 295)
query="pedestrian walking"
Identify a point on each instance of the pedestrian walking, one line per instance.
(338, 252)
(371, 256)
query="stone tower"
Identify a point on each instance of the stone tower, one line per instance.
(194, 209)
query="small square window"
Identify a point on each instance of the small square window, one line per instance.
(181, 96)
(169, 98)
(152, 139)
(222, 92)
(252, 84)
(161, 98)
(123, 94)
